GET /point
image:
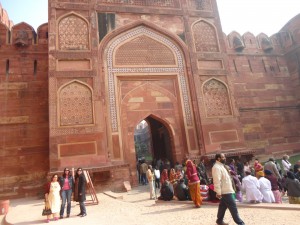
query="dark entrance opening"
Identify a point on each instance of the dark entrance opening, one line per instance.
(153, 141)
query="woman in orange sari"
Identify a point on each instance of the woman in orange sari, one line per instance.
(194, 183)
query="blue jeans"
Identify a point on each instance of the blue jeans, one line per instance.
(144, 179)
(82, 208)
(65, 196)
(227, 201)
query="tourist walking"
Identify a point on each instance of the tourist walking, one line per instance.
(66, 183)
(194, 183)
(52, 197)
(79, 193)
(224, 190)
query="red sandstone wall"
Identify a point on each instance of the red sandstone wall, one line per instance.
(24, 135)
(292, 31)
(266, 90)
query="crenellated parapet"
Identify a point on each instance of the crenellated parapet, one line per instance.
(22, 35)
(4, 17)
(279, 43)
(248, 43)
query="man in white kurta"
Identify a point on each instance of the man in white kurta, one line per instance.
(251, 186)
(265, 188)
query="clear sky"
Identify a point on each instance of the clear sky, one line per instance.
(256, 16)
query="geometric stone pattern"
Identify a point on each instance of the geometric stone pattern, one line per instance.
(216, 99)
(178, 69)
(205, 37)
(158, 3)
(201, 4)
(75, 104)
(143, 50)
(73, 33)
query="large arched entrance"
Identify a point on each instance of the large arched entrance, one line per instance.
(153, 141)
(146, 79)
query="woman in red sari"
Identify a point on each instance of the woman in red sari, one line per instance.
(164, 176)
(194, 183)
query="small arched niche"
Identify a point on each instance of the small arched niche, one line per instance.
(216, 98)
(75, 104)
(205, 37)
(73, 32)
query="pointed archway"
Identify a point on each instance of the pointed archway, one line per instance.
(161, 140)
(145, 74)
(153, 141)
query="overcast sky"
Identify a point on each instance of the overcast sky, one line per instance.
(256, 16)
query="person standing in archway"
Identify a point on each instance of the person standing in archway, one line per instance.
(143, 171)
(223, 188)
(150, 177)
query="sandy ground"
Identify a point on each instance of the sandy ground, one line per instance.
(136, 208)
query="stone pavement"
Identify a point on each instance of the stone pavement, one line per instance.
(136, 208)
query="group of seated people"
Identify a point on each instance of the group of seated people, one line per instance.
(261, 186)
(174, 185)
(268, 184)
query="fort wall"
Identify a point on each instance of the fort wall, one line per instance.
(24, 126)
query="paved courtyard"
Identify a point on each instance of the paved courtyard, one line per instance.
(135, 209)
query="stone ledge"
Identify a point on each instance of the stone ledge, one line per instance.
(14, 120)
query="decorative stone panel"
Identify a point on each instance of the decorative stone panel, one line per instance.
(201, 5)
(73, 33)
(157, 3)
(216, 99)
(75, 104)
(177, 69)
(205, 37)
(143, 50)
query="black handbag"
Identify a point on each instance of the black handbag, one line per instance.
(46, 212)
